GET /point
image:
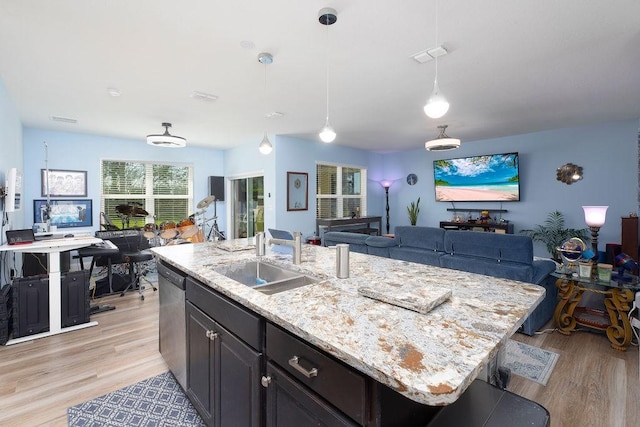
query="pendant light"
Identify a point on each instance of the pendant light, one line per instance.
(437, 105)
(166, 139)
(327, 16)
(442, 142)
(265, 146)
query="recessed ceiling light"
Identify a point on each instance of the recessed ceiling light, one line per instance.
(274, 115)
(112, 91)
(63, 119)
(203, 96)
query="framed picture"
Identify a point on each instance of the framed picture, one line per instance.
(64, 183)
(297, 191)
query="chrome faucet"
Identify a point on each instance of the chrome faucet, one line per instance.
(296, 244)
(260, 244)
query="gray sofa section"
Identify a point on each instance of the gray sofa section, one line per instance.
(506, 256)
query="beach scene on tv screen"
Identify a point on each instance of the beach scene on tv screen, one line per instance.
(479, 178)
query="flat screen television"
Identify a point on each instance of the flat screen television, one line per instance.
(67, 213)
(488, 178)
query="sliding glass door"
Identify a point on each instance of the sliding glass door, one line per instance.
(247, 206)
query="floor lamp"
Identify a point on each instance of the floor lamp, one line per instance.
(387, 185)
(594, 216)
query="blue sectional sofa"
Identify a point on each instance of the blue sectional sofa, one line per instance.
(506, 256)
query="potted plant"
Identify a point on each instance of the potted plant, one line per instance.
(553, 233)
(414, 209)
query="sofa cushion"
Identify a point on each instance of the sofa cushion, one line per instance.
(488, 267)
(430, 238)
(497, 247)
(356, 241)
(418, 255)
(381, 242)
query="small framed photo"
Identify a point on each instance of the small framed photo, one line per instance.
(297, 191)
(64, 183)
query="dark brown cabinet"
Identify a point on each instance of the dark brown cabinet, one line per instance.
(290, 404)
(231, 383)
(223, 373)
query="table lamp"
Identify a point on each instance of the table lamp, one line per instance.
(594, 216)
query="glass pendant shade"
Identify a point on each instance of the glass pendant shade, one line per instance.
(437, 105)
(327, 134)
(265, 146)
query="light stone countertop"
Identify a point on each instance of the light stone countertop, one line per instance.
(430, 358)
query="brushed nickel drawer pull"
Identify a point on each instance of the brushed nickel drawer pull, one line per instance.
(212, 335)
(294, 362)
(265, 381)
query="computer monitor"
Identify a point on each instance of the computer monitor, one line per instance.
(67, 213)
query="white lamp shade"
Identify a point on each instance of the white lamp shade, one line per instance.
(594, 216)
(437, 105)
(327, 134)
(385, 183)
(265, 146)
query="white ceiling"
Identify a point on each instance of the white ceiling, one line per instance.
(514, 67)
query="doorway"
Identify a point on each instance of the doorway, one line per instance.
(247, 206)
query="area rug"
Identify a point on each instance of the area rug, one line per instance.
(157, 401)
(529, 362)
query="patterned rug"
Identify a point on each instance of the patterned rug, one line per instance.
(157, 401)
(529, 362)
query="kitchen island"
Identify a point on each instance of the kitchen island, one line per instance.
(429, 358)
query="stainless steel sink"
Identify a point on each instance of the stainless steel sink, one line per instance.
(265, 277)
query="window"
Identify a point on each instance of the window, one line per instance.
(162, 190)
(340, 191)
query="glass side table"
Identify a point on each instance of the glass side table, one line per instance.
(613, 319)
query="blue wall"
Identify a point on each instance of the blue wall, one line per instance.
(607, 152)
(298, 155)
(85, 152)
(10, 149)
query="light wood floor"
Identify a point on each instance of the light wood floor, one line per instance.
(591, 385)
(40, 379)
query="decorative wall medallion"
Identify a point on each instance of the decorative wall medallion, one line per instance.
(412, 178)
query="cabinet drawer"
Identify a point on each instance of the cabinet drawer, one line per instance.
(340, 385)
(244, 323)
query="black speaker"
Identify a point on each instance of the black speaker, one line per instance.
(216, 187)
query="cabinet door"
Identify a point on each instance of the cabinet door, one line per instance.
(202, 362)
(290, 404)
(237, 387)
(223, 373)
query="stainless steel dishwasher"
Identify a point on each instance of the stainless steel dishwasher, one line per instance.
(173, 329)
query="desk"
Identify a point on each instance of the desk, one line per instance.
(613, 319)
(53, 247)
(334, 222)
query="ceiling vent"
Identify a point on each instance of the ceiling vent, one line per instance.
(63, 119)
(429, 54)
